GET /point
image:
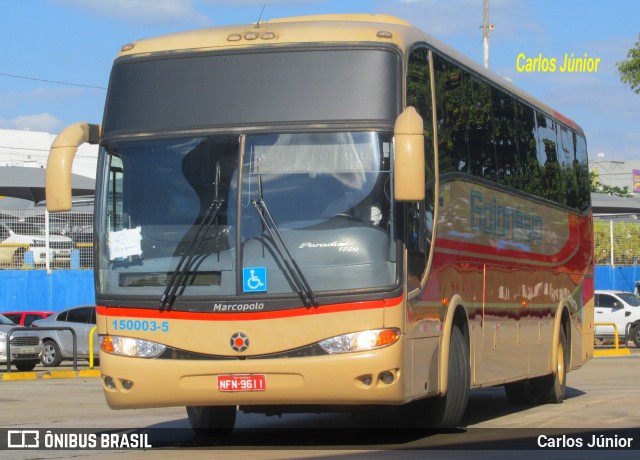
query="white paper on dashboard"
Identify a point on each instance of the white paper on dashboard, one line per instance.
(125, 243)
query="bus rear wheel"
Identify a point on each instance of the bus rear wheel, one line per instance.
(550, 389)
(212, 421)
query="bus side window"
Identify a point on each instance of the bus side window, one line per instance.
(115, 206)
(548, 158)
(581, 167)
(529, 169)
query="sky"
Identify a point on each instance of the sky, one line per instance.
(57, 54)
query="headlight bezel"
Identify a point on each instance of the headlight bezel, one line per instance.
(360, 341)
(131, 347)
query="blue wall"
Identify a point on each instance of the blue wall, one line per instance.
(620, 278)
(37, 290)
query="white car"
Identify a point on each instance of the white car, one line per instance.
(26, 346)
(620, 308)
(17, 237)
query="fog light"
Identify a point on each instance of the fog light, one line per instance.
(127, 384)
(366, 379)
(387, 377)
(108, 382)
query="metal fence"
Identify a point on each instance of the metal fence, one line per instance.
(33, 239)
(617, 242)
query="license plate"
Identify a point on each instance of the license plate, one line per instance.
(25, 351)
(242, 382)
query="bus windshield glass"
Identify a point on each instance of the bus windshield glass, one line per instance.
(327, 195)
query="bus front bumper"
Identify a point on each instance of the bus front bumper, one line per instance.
(373, 377)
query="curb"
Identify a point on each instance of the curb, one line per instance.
(616, 352)
(51, 375)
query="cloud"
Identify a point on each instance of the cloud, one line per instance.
(143, 12)
(44, 122)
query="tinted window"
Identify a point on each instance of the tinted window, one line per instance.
(548, 159)
(199, 90)
(15, 317)
(451, 98)
(28, 319)
(480, 131)
(504, 129)
(79, 315)
(581, 168)
(566, 159)
(487, 132)
(629, 298)
(605, 301)
(419, 229)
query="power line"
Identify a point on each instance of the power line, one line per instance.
(50, 81)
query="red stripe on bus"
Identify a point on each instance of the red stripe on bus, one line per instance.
(128, 312)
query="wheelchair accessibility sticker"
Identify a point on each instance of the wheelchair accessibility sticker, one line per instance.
(254, 279)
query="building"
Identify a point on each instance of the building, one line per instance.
(617, 173)
(30, 148)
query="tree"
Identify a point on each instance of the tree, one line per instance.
(629, 69)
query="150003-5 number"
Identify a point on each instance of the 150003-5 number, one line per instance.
(140, 325)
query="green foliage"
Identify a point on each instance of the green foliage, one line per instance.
(629, 69)
(626, 242)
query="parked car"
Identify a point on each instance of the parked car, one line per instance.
(25, 318)
(18, 236)
(78, 226)
(620, 308)
(25, 349)
(58, 345)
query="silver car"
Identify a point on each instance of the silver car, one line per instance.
(25, 349)
(58, 344)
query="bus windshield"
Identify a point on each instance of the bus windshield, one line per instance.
(328, 195)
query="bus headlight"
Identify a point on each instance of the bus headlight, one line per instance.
(127, 346)
(360, 341)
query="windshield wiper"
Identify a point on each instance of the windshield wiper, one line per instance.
(301, 284)
(186, 261)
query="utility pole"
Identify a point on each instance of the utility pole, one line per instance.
(485, 33)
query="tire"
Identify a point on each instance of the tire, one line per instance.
(212, 421)
(25, 366)
(446, 411)
(634, 334)
(51, 356)
(519, 393)
(550, 389)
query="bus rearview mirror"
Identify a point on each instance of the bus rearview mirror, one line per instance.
(409, 184)
(60, 160)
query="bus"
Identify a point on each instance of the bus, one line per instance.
(328, 213)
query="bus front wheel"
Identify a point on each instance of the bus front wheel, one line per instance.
(212, 421)
(446, 411)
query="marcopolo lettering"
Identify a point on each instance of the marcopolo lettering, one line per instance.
(490, 217)
(256, 306)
